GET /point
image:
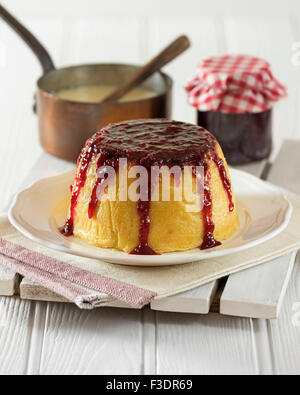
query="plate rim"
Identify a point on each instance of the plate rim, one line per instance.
(151, 260)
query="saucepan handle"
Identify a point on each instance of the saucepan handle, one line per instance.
(38, 49)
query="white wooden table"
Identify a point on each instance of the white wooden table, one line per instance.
(50, 338)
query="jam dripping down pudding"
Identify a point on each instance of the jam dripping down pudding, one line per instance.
(152, 226)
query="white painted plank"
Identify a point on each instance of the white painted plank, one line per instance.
(204, 344)
(258, 292)
(102, 341)
(8, 281)
(149, 345)
(18, 319)
(197, 300)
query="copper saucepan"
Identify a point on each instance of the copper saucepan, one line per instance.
(65, 125)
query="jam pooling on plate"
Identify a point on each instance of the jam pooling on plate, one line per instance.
(155, 142)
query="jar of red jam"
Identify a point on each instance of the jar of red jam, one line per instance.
(234, 96)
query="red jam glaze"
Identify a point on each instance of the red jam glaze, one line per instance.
(102, 162)
(225, 180)
(149, 143)
(94, 198)
(84, 161)
(144, 213)
(209, 226)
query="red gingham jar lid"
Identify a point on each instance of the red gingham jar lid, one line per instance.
(234, 84)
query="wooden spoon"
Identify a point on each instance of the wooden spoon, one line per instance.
(177, 47)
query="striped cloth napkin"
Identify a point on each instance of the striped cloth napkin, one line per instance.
(85, 288)
(90, 283)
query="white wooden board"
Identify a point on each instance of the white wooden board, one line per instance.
(8, 281)
(258, 292)
(197, 300)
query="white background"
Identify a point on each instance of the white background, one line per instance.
(41, 339)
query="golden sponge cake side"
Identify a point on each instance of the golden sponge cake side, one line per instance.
(173, 227)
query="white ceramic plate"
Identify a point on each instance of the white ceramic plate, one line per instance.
(38, 212)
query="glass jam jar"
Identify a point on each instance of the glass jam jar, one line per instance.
(244, 138)
(234, 96)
